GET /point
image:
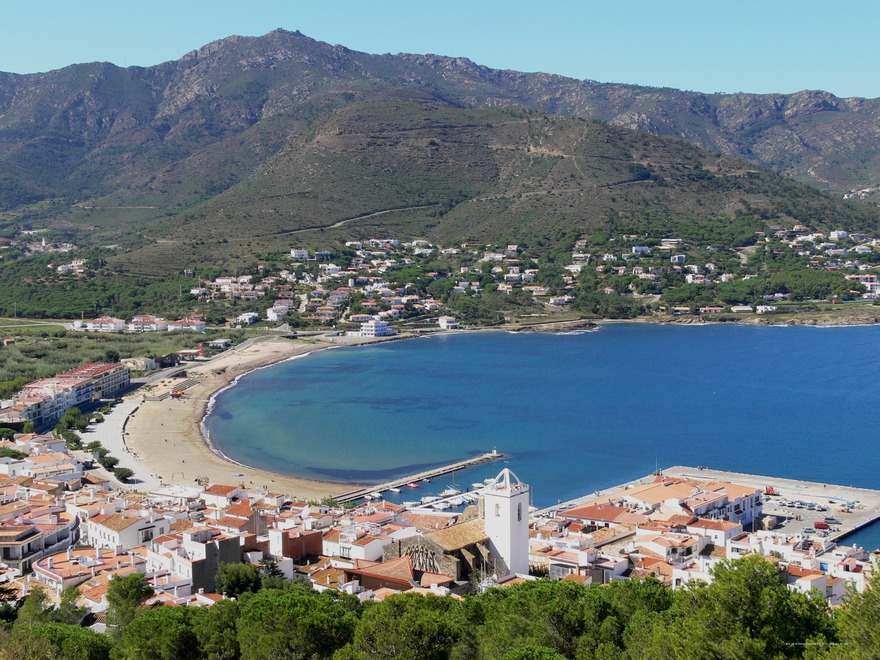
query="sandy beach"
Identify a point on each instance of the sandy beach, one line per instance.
(166, 438)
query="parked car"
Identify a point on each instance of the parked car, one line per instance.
(820, 524)
(809, 530)
(832, 520)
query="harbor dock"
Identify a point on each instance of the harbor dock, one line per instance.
(854, 507)
(420, 476)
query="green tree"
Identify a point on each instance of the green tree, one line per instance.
(123, 474)
(160, 633)
(407, 626)
(35, 608)
(124, 595)
(72, 642)
(746, 612)
(236, 579)
(531, 652)
(859, 622)
(216, 628)
(68, 611)
(271, 576)
(108, 462)
(297, 623)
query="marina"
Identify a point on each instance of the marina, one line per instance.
(371, 492)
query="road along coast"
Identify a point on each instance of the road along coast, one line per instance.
(165, 435)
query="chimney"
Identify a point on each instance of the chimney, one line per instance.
(69, 554)
(98, 553)
(49, 563)
(201, 590)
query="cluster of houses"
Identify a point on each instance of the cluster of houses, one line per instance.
(81, 532)
(142, 323)
(43, 401)
(72, 530)
(677, 530)
(323, 292)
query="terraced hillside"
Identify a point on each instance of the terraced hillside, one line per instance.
(418, 167)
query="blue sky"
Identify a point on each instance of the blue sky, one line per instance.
(706, 45)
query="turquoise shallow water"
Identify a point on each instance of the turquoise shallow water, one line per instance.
(573, 412)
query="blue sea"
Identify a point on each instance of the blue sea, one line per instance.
(573, 413)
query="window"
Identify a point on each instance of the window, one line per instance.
(519, 512)
(345, 552)
(497, 510)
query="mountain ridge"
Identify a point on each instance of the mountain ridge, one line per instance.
(83, 145)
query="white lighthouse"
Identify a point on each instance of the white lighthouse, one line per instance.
(506, 518)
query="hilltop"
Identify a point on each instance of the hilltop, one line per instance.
(179, 133)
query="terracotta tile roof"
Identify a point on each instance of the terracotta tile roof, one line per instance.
(242, 509)
(425, 521)
(580, 579)
(220, 489)
(428, 579)
(603, 513)
(233, 522)
(460, 535)
(114, 521)
(397, 570)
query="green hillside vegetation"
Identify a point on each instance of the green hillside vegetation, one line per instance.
(417, 167)
(747, 612)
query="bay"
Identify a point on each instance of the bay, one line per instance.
(573, 413)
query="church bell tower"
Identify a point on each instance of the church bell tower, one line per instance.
(506, 518)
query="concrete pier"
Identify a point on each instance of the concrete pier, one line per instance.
(413, 478)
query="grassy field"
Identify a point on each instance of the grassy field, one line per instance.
(41, 349)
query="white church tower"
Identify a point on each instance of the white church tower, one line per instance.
(506, 517)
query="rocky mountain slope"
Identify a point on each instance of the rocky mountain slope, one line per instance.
(417, 166)
(93, 146)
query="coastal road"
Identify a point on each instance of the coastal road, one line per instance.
(110, 434)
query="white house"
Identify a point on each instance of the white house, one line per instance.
(104, 324)
(117, 530)
(187, 324)
(147, 323)
(373, 328)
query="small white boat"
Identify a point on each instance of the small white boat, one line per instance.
(450, 491)
(427, 499)
(394, 490)
(478, 485)
(456, 501)
(489, 481)
(410, 505)
(426, 480)
(376, 496)
(441, 506)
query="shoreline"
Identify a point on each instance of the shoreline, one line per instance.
(194, 455)
(167, 436)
